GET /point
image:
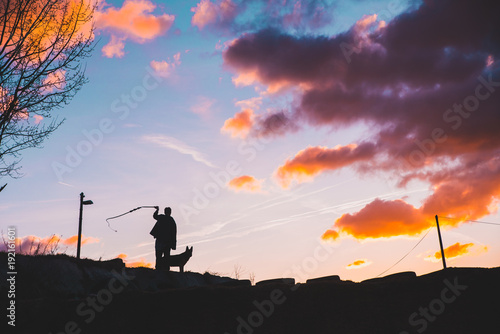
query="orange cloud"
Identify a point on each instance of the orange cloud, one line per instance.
(383, 218)
(245, 183)
(72, 241)
(470, 193)
(314, 160)
(139, 263)
(65, 19)
(330, 235)
(457, 250)
(133, 20)
(208, 13)
(132, 264)
(358, 264)
(453, 251)
(461, 193)
(240, 124)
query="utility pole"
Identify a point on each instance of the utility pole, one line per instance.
(441, 243)
(82, 203)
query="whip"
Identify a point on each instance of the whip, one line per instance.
(126, 213)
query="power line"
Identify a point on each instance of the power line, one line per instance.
(469, 220)
(406, 253)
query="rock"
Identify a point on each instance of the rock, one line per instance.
(288, 281)
(332, 278)
(402, 276)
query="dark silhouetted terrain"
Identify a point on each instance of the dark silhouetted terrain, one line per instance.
(56, 294)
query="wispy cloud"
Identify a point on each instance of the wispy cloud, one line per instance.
(66, 184)
(179, 146)
(202, 106)
(214, 233)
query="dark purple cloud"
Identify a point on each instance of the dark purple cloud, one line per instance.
(427, 83)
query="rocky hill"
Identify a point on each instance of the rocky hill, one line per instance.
(58, 294)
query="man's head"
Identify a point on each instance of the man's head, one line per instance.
(168, 211)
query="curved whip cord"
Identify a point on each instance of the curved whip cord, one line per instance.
(126, 213)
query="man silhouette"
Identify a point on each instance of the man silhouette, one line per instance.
(165, 233)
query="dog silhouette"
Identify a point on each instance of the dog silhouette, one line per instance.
(178, 260)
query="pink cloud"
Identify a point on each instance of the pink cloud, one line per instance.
(203, 106)
(207, 12)
(54, 81)
(34, 245)
(133, 20)
(38, 118)
(164, 68)
(114, 48)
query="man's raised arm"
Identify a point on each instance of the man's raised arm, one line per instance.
(155, 214)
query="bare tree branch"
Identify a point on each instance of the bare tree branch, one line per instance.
(42, 45)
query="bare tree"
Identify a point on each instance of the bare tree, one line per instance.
(238, 271)
(42, 45)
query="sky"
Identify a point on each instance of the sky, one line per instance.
(290, 138)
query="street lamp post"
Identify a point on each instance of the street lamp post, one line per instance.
(82, 203)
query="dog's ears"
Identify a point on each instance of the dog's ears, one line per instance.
(191, 249)
(187, 248)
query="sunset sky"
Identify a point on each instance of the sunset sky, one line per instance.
(290, 138)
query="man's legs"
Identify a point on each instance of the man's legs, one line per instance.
(167, 258)
(159, 262)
